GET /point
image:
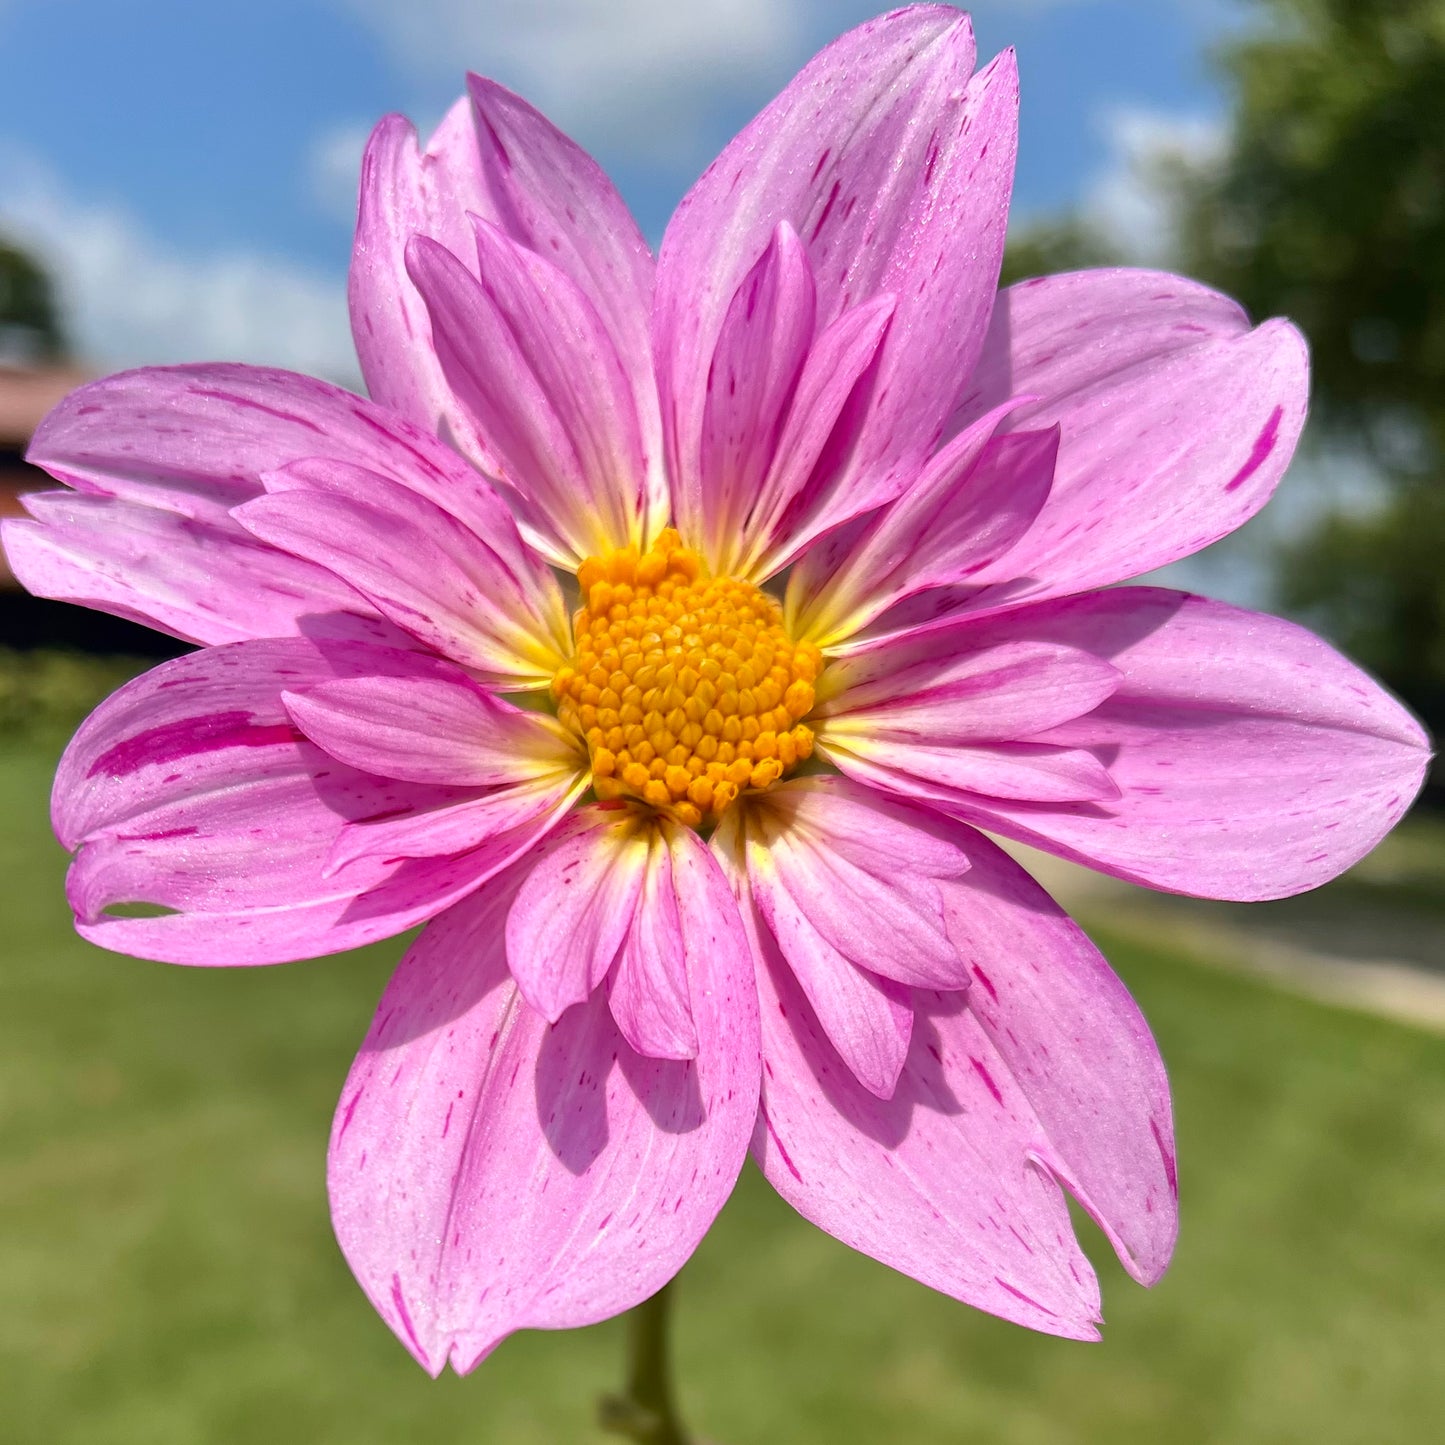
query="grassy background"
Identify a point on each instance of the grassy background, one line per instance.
(168, 1275)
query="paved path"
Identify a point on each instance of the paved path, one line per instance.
(1341, 944)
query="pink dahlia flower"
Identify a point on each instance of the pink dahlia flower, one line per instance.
(664, 632)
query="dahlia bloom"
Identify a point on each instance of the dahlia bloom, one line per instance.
(665, 632)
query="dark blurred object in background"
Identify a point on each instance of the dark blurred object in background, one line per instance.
(35, 373)
(1328, 207)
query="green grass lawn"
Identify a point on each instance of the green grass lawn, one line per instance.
(168, 1275)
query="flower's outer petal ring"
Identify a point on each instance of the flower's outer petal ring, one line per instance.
(1176, 422)
(1252, 760)
(942, 1181)
(185, 576)
(197, 440)
(490, 1172)
(1075, 1042)
(894, 167)
(191, 789)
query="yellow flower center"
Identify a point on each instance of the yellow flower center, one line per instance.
(686, 688)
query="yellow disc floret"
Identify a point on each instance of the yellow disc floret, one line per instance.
(686, 688)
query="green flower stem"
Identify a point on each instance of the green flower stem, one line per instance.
(647, 1412)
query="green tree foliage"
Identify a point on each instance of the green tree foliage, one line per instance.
(1329, 208)
(27, 301)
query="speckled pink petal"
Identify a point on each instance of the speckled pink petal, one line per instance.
(761, 350)
(647, 988)
(430, 724)
(490, 1172)
(1076, 1044)
(575, 907)
(853, 875)
(195, 579)
(971, 504)
(191, 789)
(1177, 422)
(945, 1181)
(1253, 761)
(894, 167)
(526, 354)
(418, 565)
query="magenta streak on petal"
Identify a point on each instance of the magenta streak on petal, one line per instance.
(1263, 446)
(981, 1070)
(187, 737)
(1021, 1295)
(1167, 1154)
(778, 1145)
(406, 1324)
(231, 399)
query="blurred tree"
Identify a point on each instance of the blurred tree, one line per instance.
(1329, 208)
(1042, 248)
(27, 302)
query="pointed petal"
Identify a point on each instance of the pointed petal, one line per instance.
(1253, 761)
(894, 167)
(1177, 422)
(647, 989)
(940, 1181)
(191, 578)
(191, 789)
(856, 876)
(525, 352)
(924, 692)
(432, 724)
(971, 504)
(1076, 1044)
(489, 1172)
(760, 354)
(418, 565)
(575, 907)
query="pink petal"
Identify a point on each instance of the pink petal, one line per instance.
(812, 485)
(1177, 422)
(971, 503)
(922, 692)
(1073, 1040)
(1253, 760)
(855, 877)
(196, 440)
(490, 1172)
(941, 1181)
(526, 354)
(760, 354)
(432, 724)
(647, 989)
(191, 789)
(418, 565)
(894, 168)
(191, 578)
(405, 192)
(493, 828)
(1029, 772)
(575, 907)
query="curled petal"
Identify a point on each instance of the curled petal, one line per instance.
(575, 907)
(191, 789)
(492, 1172)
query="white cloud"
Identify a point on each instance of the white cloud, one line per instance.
(333, 164)
(129, 299)
(644, 73)
(1129, 200)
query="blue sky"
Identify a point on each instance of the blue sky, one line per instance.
(188, 168)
